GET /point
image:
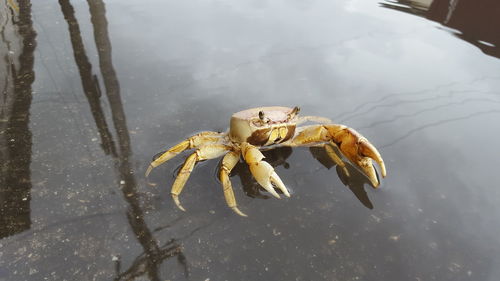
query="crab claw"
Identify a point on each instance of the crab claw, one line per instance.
(262, 171)
(275, 179)
(265, 175)
(359, 151)
(365, 148)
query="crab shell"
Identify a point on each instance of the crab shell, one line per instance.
(262, 126)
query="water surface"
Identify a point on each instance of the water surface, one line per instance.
(91, 90)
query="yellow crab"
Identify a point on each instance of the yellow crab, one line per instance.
(261, 128)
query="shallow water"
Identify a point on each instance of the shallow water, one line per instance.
(91, 90)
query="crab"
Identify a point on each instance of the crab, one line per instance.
(257, 129)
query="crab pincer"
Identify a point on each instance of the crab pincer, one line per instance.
(358, 150)
(262, 171)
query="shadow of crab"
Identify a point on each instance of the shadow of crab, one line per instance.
(276, 157)
(354, 180)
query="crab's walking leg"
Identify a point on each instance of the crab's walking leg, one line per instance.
(203, 138)
(228, 162)
(203, 153)
(352, 144)
(330, 151)
(262, 171)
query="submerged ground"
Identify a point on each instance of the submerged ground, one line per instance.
(91, 90)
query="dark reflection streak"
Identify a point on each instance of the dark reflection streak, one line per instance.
(148, 262)
(140, 265)
(398, 117)
(101, 37)
(89, 81)
(434, 124)
(15, 173)
(135, 214)
(138, 268)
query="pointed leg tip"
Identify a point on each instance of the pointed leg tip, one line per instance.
(177, 202)
(237, 211)
(375, 183)
(279, 184)
(148, 171)
(346, 172)
(285, 192)
(180, 207)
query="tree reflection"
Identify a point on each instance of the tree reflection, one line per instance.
(15, 135)
(147, 263)
(89, 81)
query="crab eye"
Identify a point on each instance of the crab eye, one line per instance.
(261, 115)
(293, 113)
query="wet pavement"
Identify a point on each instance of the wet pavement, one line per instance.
(92, 90)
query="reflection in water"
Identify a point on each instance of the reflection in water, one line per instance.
(149, 262)
(355, 180)
(90, 82)
(477, 21)
(277, 157)
(438, 123)
(437, 94)
(430, 109)
(15, 135)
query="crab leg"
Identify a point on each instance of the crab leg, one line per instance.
(202, 138)
(352, 144)
(330, 151)
(228, 162)
(262, 171)
(203, 153)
